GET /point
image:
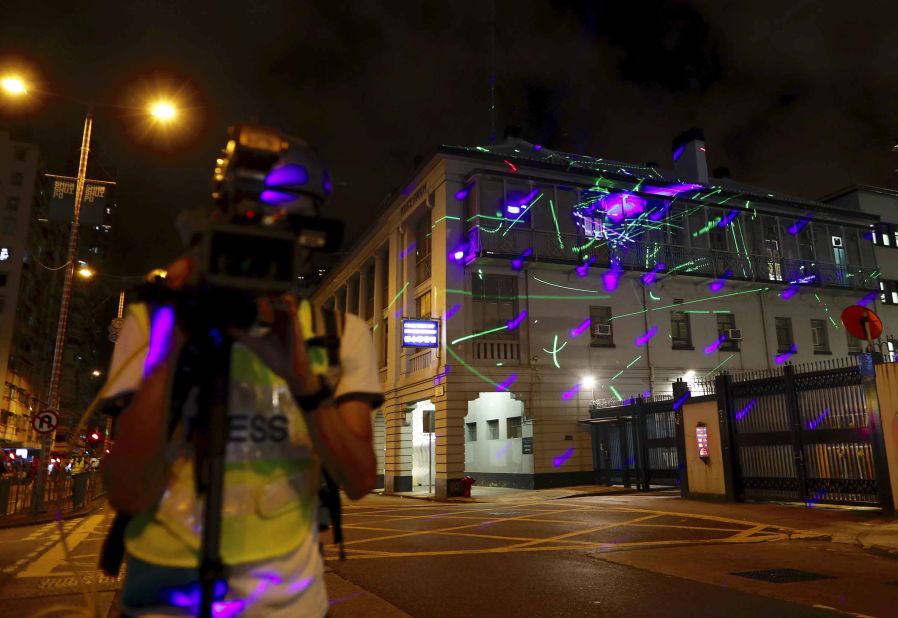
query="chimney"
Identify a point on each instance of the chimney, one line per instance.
(689, 159)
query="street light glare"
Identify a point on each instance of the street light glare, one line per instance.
(163, 111)
(85, 272)
(13, 85)
(588, 382)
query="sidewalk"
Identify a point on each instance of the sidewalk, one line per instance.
(508, 494)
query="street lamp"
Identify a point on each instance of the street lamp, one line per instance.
(163, 111)
(16, 86)
(13, 85)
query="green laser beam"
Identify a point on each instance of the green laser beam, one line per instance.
(557, 229)
(634, 361)
(469, 368)
(480, 334)
(555, 350)
(616, 394)
(726, 360)
(398, 294)
(688, 302)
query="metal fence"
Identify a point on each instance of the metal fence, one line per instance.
(66, 493)
(804, 433)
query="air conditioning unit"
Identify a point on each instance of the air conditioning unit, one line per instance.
(837, 241)
(734, 334)
(601, 330)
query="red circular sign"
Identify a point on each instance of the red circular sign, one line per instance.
(854, 317)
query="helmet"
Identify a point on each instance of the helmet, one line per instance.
(266, 170)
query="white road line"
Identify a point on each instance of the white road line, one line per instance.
(44, 565)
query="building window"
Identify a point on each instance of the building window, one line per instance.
(2, 279)
(21, 153)
(369, 292)
(384, 340)
(600, 327)
(680, 329)
(385, 282)
(423, 239)
(854, 344)
(820, 337)
(17, 179)
(885, 235)
(725, 323)
(422, 305)
(888, 292)
(513, 427)
(492, 429)
(12, 203)
(784, 339)
(471, 432)
(495, 303)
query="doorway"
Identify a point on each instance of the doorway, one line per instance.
(423, 446)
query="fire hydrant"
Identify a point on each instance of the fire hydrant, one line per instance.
(466, 483)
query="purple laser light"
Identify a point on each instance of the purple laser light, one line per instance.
(814, 423)
(567, 395)
(505, 384)
(518, 262)
(782, 358)
(558, 461)
(644, 339)
(710, 349)
(578, 330)
(717, 285)
(583, 268)
(744, 411)
(517, 321)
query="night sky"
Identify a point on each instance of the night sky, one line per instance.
(799, 96)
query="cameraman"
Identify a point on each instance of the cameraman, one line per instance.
(284, 422)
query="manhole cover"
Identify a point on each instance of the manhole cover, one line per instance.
(782, 576)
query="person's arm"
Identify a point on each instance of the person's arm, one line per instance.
(135, 469)
(341, 430)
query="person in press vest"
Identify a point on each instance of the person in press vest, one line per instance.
(292, 409)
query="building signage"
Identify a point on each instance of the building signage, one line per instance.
(701, 439)
(420, 333)
(526, 446)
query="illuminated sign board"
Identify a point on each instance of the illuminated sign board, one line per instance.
(701, 439)
(420, 333)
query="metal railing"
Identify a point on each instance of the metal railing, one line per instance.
(546, 246)
(66, 493)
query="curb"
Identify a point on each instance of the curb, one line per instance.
(50, 517)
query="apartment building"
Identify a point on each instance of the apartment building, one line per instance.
(556, 279)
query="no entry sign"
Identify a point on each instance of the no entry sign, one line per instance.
(45, 422)
(856, 319)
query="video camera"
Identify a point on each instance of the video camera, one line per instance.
(269, 189)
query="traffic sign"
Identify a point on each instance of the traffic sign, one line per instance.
(857, 320)
(45, 422)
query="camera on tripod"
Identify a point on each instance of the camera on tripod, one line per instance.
(269, 189)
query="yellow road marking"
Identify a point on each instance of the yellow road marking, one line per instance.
(43, 566)
(604, 526)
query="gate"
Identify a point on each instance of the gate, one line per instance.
(802, 435)
(635, 441)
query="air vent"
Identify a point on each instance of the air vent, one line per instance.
(601, 330)
(734, 334)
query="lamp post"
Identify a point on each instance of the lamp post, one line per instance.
(161, 111)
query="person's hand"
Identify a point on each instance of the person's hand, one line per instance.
(283, 346)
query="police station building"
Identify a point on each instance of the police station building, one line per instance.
(511, 285)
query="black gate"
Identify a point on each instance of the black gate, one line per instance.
(635, 442)
(802, 435)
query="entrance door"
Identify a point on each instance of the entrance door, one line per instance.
(423, 446)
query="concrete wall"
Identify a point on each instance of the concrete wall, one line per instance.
(501, 455)
(887, 389)
(705, 478)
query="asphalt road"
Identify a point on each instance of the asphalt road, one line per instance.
(628, 556)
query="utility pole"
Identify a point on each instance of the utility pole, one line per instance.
(48, 439)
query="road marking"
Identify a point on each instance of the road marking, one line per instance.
(43, 566)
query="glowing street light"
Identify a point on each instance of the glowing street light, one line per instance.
(163, 111)
(13, 85)
(96, 373)
(85, 271)
(588, 382)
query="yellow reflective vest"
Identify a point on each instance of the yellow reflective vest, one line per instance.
(271, 474)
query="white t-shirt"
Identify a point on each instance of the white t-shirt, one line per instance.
(292, 584)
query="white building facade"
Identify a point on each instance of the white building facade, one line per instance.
(560, 279)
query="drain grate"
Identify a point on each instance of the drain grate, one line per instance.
(782, 576)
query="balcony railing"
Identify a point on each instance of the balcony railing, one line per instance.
(419, 361)
(645, 256)
(496, 349)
